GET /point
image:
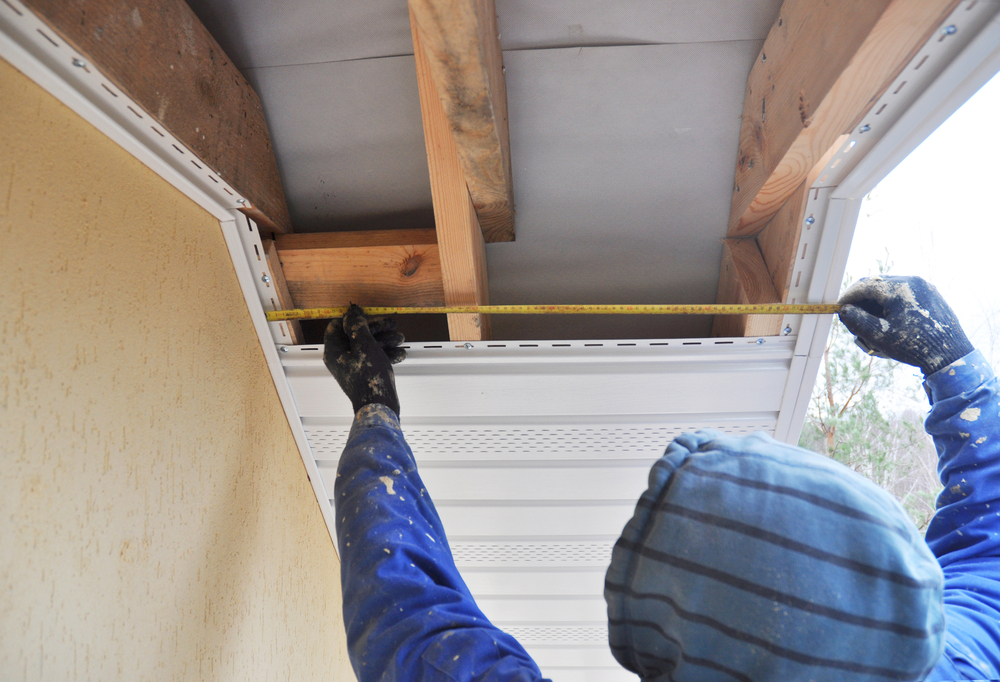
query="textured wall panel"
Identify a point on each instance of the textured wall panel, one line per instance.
(156, 518)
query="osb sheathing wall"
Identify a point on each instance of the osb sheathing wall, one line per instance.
(156, 522)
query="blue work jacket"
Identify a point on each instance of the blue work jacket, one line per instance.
(409, 616)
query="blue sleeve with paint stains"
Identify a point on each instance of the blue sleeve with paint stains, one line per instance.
(965, 531)
(408, 614)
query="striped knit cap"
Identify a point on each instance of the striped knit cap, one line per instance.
(752, 560)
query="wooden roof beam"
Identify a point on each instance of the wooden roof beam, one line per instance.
(780, 239)
(744, 279)
(822, 67)
(373, 268)
(160, 55)
(460, 238)
(461, 56)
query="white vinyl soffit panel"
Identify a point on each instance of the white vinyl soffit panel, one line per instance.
(535, 452)
(535, 455)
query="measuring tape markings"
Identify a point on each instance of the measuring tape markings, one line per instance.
(707, 309)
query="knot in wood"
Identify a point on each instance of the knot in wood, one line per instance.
(411, 264)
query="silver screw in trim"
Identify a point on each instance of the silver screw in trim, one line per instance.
(949, 30)
(865, 128)
(241, 201)
(787, 330)
(79, 62)
(760, 342)
(468, 346)
(810, 221)
(283, 349)
(265, 279)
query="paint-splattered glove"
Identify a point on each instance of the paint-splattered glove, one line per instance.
(904, 318)
(360, 357)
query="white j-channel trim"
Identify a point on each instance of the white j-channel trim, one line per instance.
(33, 48)
(38, 52)
(958, 59)
(238, 232)
(965, 74)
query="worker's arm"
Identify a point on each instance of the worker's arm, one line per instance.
(408, 614)
(965, 531)
(906, 319)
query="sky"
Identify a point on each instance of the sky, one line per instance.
(937, 214)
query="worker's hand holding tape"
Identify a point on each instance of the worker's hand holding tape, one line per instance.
(906, 319)
(360, 356)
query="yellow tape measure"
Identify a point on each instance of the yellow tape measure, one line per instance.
(708, 309)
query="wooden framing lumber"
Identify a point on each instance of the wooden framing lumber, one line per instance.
(160, 55)
(780, 241)
(744, 278)
(382, 268)
(282, 299)
(459, 235)
(822, 67)
(461, 54)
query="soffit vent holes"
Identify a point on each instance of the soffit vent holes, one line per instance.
(502, 555)
(543, 635)
(543, 442)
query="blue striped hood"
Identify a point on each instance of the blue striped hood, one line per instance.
(752, 560)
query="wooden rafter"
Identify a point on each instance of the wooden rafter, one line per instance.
(780, 240)
(159, 54)
(743, 278)
(461, 56)
(282, 299)
(460, 238)
(384, 267)
(822, 67)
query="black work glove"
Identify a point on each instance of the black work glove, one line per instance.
(904, 318)
(360, 357)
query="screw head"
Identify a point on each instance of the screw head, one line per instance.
(787, 329)
(865, 128)
(79, 63)
(266, 279)
(241, 201)
(810, 221)
(760, 342)
(283, 349)
(468, 346)
(949, 30)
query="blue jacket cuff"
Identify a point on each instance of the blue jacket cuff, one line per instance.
(374, 415)
(961, 376)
